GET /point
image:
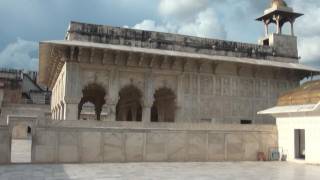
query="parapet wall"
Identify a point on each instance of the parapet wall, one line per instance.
(85, 142)
(167, 41)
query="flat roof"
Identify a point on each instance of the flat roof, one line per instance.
(289, 109)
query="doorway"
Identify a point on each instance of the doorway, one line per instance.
(299, 143)
(21, 143)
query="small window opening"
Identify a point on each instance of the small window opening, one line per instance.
(245, 121)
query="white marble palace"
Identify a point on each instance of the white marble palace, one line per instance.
(126, 95)
(135, 75)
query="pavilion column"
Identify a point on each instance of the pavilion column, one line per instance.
(59, 112)
(266, 28)
(62, 112)
(292, 29)
(278, 24)
(72, 90)
(146, 113)
(55, 113)
(148, 97)
(70, 111)
(178, 115)
(113, 97)
(112, 111)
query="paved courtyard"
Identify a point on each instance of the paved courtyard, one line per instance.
(183, 171)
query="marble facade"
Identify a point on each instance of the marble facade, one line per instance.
(225, 84)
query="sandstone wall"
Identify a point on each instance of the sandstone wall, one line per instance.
(71, 142)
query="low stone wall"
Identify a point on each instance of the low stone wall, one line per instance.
(23, 110)
(5, 145)
(84, 142)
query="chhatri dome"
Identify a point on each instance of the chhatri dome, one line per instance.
(278, 3)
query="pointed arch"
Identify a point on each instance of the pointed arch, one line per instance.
(164, 106)
(95, 94)
(129, 106)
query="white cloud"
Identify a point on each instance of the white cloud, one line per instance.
(206, 25)
(309, 49)
(151, 25)
(182, 9)
(20, 55)
(308, 30)
(189, 17)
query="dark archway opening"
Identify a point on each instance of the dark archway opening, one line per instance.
(164, 107)
(29, 130)
(94, 94)
(129, 106)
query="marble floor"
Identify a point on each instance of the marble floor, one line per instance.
(161, 171)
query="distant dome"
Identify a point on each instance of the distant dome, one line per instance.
(278, 3)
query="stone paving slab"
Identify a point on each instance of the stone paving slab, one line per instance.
(161, 171)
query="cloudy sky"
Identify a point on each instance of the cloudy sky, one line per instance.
(26, 22)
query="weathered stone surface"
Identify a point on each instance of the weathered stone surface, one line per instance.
(134, 143)
(177, 146)
(251, 146)
(44, 154)
(156, 149)
(170, 143)
(216, 147)
(235, 147)
(68, 147)
(197, 146)
(114, 150)
(91, 147)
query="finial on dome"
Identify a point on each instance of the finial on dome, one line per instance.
(278, 3)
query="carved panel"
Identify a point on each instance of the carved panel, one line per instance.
(186, 84)
(190, 108)
(257, 88)
(242, 108)
(226, 86)
(211, 108)
(227, 107)
(234, 86)
(206, 84)
(273, 89)
(245, 87)
(194, 83)
(217, 86)
(264, 88)
(236, 106)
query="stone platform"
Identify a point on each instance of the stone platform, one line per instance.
(168, 171)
